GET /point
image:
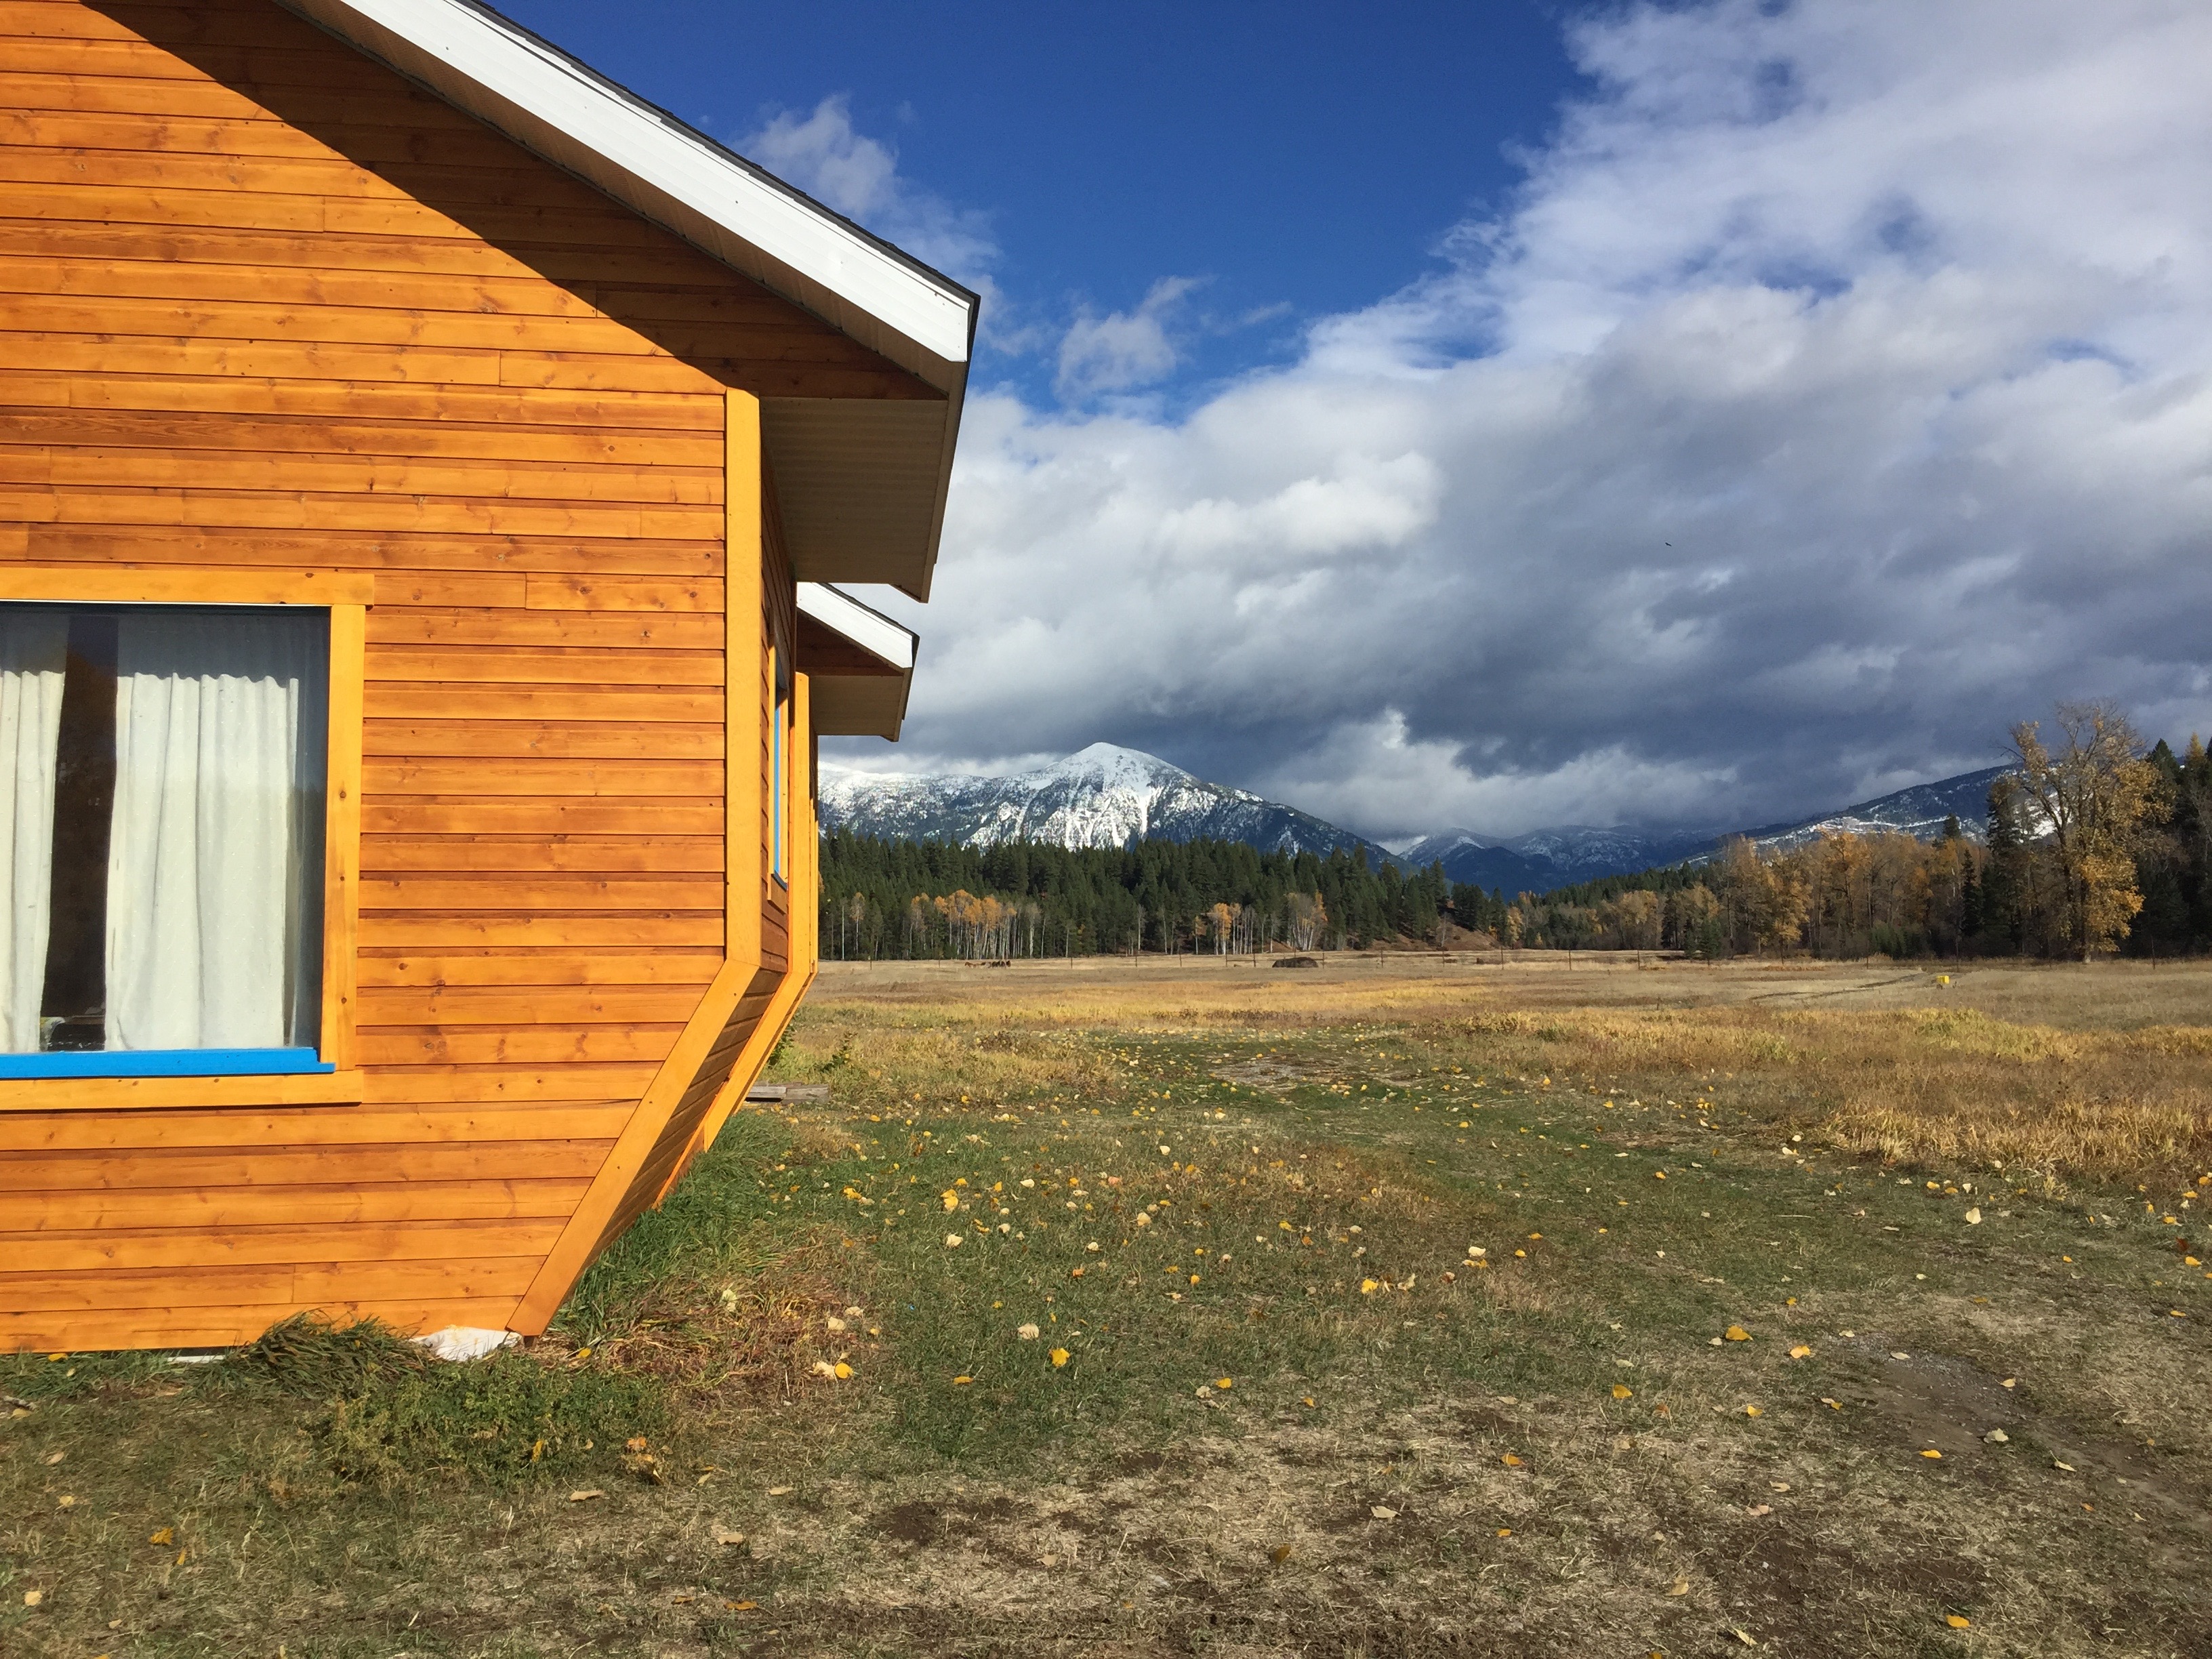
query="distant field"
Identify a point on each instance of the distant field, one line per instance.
(1394, 1306)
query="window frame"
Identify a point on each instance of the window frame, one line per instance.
(779, 772)
(335, 1078)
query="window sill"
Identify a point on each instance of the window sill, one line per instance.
(175, 1091)
(166, 1062)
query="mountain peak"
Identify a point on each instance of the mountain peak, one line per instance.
(1103, 795)
(1113, 766)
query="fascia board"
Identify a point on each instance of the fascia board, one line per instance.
(870, 629)
(646, 158)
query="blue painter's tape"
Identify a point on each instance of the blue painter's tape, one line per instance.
(167, 1062)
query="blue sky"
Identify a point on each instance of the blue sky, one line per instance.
(1289, 161)
(1685, 413)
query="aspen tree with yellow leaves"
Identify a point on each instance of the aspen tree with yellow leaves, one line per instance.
(2090, 792)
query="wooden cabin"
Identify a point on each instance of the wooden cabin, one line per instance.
(424, 466)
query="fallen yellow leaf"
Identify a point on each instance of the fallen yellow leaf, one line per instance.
(1368, 1287)
(1224, 1381)
(1736, 1334)
(1681, 1588)
(585, 1495)
(952, 1201)
(1511, 1460)
(1060, 1356)
(1751, 1411)
(961, 1381)
(1801, 1352)
(1957, 1622)
(162, 1535)
(1622, 1391)
(1931, 1452)
(844, 1370)
(1383, 1512)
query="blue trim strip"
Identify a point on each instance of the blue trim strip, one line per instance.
(166, 1062)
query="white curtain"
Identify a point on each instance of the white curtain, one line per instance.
(214, 877)
(33, 643)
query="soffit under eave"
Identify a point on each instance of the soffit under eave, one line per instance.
(858, 705)
(860, 485)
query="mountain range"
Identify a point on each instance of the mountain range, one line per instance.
(1102, 796)
(1108, 796)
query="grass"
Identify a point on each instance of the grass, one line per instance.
(1295, 1413)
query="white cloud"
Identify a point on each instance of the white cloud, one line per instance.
(1894, 321)
(823, 154)
(1123, 350)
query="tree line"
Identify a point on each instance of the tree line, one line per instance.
(884, 898)
(2093, 845)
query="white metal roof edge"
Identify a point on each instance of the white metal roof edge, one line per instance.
(493, 68)
(870, 629)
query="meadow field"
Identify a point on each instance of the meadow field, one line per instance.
(1398, 1305)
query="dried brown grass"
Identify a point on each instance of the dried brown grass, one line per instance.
(2077, 1073)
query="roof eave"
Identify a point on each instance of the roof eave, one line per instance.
(564, 111)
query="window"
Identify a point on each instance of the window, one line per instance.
(162, 778)
(778, 766)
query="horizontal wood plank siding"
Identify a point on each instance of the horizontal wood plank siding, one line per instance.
(266, 306)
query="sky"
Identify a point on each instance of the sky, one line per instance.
(1501, 416)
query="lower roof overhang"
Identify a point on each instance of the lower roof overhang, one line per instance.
(858, 665)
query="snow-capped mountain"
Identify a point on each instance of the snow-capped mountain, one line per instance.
(1545, 858)
(1102, 796)
(1918, 812)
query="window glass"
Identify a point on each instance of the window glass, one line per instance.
(777, 765)
(162, 782)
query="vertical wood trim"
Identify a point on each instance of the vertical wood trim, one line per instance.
(743, 599)
(342, 831)
(744, 873)
(811, 910)
(571, 1252)
(803, 946)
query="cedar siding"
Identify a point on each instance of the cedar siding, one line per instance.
(265, 307)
